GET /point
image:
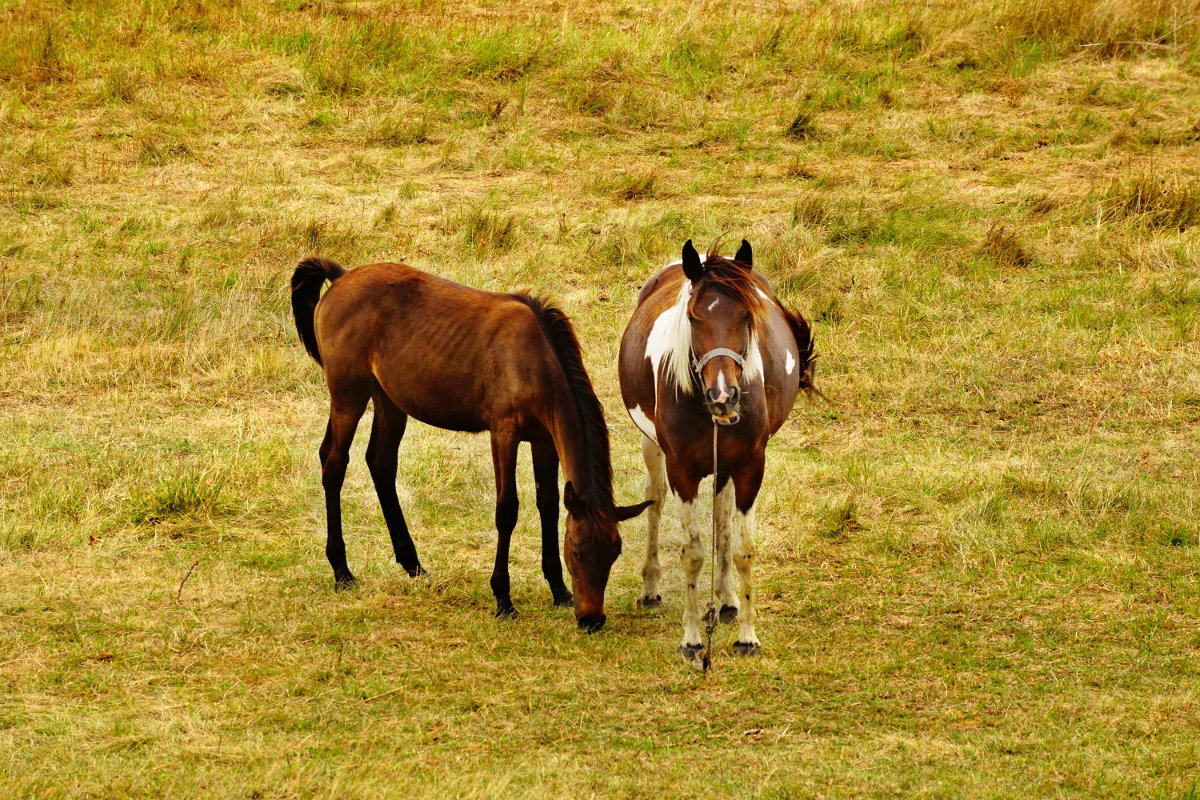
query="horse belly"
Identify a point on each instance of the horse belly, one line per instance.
(442, 404)
(449, 420)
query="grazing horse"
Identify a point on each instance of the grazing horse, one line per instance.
(709, 352)
(466, 360)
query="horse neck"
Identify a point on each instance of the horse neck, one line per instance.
(582, 466)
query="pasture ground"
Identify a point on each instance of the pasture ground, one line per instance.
(979, 566)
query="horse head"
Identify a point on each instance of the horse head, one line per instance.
(722, 312)
(590, 548)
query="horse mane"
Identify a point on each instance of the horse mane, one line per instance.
(734, 279)
(561, 334)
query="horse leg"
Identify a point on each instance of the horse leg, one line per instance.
(344, 414)
(747, 484)
(685, 487)
(656, 490)
(504, 462)
(387, 430)
(723, 517)
(545, 477)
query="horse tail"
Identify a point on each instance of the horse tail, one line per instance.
(307, 280)
(805, 346)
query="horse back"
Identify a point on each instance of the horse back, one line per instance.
(449, 355)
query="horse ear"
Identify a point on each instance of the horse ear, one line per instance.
(572, 501)
(745, 254)
(692, 267)
(629, 512)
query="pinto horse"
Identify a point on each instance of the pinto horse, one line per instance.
(710, 352)
(467, 360)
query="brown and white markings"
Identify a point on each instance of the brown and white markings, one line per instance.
(710, 346)
(466, 360)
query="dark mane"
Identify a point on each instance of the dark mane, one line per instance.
(558, 328)
(734, 279)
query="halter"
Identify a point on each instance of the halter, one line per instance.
(698, 363)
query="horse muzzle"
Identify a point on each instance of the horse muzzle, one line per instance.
(724, 405)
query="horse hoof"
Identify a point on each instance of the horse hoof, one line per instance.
(506, 612)
(416, 571)
(692, 655)
(651, 602)
(564, 600)
(728, 614)
(747, 649)
(346, 584)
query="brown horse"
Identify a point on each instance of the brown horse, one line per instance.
(466, 360)
(711, 352)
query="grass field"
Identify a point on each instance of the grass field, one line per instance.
(980, 567)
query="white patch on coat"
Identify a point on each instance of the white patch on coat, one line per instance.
(723, 516)
(753, 367)
(790, 363)
(693, 560)
(644, 423)
(656, 490)
(713, 304)
(743, 559)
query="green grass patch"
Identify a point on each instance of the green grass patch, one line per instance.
(977, 561)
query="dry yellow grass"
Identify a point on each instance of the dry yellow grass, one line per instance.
(980, 564)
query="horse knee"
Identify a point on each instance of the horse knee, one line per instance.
(374, 463)
(656, 487)
(333, 473)
(506, 515)
(693, 558)
(547, 499)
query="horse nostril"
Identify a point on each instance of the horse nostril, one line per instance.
(712, 395)
(733, 395)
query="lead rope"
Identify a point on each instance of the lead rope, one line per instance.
(710, 614)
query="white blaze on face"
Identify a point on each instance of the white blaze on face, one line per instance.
(790, 363)
(722, 387)
(644, 423)
(713, 304)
